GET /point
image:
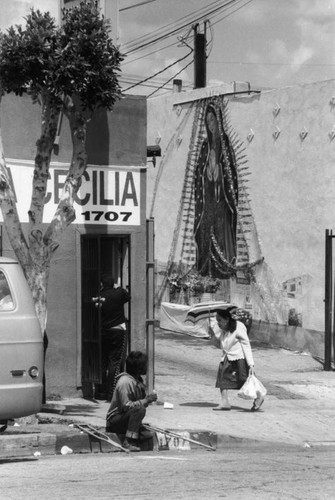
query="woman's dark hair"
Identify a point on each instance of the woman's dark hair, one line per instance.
(226, 314)
(136, 363)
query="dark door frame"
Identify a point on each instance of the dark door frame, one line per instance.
(93, 266)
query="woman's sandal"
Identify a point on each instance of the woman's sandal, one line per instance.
(257, 403)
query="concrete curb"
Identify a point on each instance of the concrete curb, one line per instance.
(80, 442)
(67, 440)
(27, 445)
(77, 442)
(74, 441)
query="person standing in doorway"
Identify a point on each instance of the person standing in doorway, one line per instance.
(114, 332)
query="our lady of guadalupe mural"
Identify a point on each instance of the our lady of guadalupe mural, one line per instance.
(216, 199)
(215, 230)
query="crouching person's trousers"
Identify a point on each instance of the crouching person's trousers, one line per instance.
(127, 423)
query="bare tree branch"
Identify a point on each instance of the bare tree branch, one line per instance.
(65, 213)
(50, 116)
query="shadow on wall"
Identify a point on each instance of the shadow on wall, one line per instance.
(289, 337)
(97, 142)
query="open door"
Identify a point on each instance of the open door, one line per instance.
(100, 254)
(91, 345)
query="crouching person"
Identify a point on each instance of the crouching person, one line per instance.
(129, 402)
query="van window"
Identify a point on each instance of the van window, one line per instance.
(6, 300)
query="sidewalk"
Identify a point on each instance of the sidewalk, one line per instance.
(299, 408)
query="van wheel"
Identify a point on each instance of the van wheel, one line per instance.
(3, 426)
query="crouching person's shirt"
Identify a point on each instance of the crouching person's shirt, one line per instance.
(129, 392)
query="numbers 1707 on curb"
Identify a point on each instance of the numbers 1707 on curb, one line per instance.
(96, 215)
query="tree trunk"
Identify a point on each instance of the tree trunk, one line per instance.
(40, 250)
(50, 113)
(65, 213)
(37, 276)
(35, 255)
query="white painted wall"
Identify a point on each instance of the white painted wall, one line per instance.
(291, 186)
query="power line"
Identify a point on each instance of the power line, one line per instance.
(182, 40)
(231, 13)
(210, 44)
(185, 37)
(136, 5)
(143, 38)
(143, 84)
(131, 78)
(205, 12)
(172, 78)
(248, 63)
(148, 54)
(153, 84)
(159, 72)
(163, 36)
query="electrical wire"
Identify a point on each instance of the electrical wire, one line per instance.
(163, 36)
(183, 39)
(270, 63)
(153, 84)
(159, 72)
(231, 13)
(214, 12)
(130, 61)
(143, 38)
(210, 44)
(172, 78)
(150, 85)
(136, 5)
(129, 79)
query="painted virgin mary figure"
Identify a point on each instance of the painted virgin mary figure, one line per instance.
(216, 197)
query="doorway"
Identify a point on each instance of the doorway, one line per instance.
(99, 254)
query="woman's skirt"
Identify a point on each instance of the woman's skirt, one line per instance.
(232, 374)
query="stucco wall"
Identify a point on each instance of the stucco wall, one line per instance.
(171, 127)
(290, 182)
(116, 137)
(61, 357)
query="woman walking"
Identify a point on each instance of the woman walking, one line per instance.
(237, 361)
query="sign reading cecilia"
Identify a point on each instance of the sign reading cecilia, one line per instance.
(108, 195)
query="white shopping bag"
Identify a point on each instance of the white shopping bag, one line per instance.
(252, 388)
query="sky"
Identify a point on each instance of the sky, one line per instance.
(269, 43)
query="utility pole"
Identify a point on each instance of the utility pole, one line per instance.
(200, 57)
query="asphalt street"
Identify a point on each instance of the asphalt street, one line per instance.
(236, 473)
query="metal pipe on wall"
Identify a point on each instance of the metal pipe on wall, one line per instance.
(328, 297)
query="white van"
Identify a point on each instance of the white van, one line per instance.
(21, 346)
